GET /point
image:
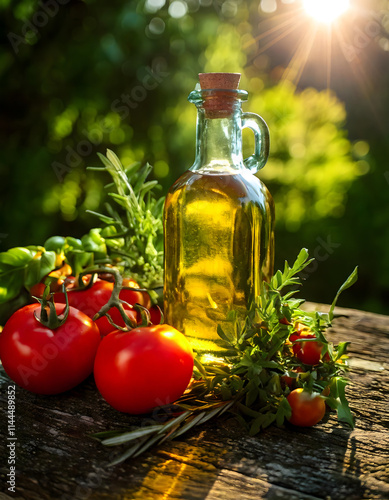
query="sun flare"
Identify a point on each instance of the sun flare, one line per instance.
(326, 11)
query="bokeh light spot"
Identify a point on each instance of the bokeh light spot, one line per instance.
(361, 148)
(177, 9)
(154, 5)
(157, 26)
(268, 6)
(161, 169)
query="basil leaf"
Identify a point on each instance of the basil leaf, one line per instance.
(17, 257)
(13, 264)
(37, 268)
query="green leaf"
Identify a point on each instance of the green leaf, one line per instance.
(38, 268)
(349, 282)
(191, 423)
(301, 261)
(245, 410)
(131, 436)
(257, 424)
(124, 456)
(343, 409)
(95, 243)
(17, 257)
(73, 243)
(341, 350)
(55, 244)
(251, 394)
(104, 218)
(23, 266)
(142, 176)
(11, 284)
(175, 422)
(223, 335)
(78, 260)
(114, 159)
(268, 420)
(284, 411)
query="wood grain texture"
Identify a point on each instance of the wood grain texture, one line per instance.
(57, 458)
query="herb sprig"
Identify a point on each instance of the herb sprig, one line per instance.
(249, 383)
(133, 227)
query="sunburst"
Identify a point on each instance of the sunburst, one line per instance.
(326, 11)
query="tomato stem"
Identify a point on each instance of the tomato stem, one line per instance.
(48, 315)
(144, 314)
(114, 300)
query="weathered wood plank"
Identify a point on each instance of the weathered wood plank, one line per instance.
(57, 459)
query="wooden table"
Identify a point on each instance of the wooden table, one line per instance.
(56, 458)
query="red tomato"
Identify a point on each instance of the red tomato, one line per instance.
(48, 361)
(147, 367)
(90, 300)
(308, 353)
(307, 408)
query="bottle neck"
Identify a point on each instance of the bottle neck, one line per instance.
(218, 140)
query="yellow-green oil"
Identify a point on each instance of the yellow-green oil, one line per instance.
(218, 248)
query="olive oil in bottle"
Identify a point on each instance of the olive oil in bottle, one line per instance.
(218, 219)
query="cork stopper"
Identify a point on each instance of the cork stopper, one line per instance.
(226, 81)
(218, 98)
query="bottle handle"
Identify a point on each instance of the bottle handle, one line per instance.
(262, 141)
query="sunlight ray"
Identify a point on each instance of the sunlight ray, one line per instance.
(297, 64)
(290, 19)
(282, 35)
(363, 80)
(329, 56)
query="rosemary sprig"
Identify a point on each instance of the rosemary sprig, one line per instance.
(250, 381)
(133, 227)
(143, 438)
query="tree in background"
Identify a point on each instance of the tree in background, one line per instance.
(78, 77)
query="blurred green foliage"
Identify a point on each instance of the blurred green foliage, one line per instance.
(81, 76)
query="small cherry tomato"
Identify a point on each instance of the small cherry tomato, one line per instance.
(307, 408)
(147, 367)
(309, 352)
(47, 361)
(296, 345)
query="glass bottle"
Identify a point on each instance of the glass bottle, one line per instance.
(218, 218)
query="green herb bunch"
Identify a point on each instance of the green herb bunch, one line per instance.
(133, 228)
(250, 381)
